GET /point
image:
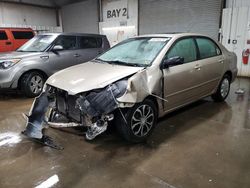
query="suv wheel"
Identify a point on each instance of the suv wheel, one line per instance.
(32, 84)
(223, 89)
(140, 121)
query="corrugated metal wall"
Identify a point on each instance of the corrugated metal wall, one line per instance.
(237, 3)
(162, 16)
(81, 17)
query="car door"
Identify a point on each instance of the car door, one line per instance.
(211, 62)
(65, 57)
(181, 82)
(89, 48)
(5, 41)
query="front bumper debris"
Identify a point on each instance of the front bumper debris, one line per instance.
(35, 121)
(98, 127)
(95, 110)
(48, 141)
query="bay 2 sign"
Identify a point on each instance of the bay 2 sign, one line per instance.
(117, 13)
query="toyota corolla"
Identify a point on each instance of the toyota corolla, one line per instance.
(133, 84)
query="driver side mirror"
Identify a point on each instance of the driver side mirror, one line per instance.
(177, 60)
(57, 48)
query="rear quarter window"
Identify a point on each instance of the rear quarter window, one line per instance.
(3, 35)
(23, 34)
(207, 48)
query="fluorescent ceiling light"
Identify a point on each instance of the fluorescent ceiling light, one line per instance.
(120, 27)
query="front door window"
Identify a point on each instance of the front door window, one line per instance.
(184, 48)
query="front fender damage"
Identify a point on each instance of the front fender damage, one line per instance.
(141, 85)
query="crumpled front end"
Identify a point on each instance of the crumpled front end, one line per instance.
(92, 109)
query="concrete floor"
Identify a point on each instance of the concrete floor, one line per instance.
(204, 145)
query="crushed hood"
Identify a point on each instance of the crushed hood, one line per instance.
(89, 76)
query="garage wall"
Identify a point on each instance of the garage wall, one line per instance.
(162, 16)
(24, 15)
(119, 20)
(81, 17)
(237, 3)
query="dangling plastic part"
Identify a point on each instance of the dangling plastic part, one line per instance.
(48, 141)
(36, 120)
(96, 129)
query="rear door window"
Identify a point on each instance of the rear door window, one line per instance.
(3, 35)
(23, 34)
(184, 48)
(67, 42)
(207, 48)
(89, 42)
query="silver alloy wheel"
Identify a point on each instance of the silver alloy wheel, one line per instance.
(224, 89)
(142, 120)
(36, 84)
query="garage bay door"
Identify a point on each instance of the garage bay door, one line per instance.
(162, 16)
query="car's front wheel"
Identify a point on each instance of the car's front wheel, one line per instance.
(137, 123)
(32, 84)
(223, 89)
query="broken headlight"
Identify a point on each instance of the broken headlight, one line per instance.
(99, 102)
(50, 90)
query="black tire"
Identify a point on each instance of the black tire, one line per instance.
(223, 89)
(27, 84)
(125, 128)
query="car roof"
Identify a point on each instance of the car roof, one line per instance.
(75, 34)
(172, 35)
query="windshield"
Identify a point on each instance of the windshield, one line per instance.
(37, 44)
(138, 51)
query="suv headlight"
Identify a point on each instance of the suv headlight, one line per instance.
(7, 63)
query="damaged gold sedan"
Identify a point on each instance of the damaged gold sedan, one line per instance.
(133, 84)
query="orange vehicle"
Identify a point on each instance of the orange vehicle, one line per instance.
(13, 38)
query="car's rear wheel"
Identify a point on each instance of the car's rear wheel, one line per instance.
(32, 84)
(138, 122)
(223, 89)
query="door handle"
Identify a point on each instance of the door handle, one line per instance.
(8, 43)
(197, 67)
(44, 57)
(76, 55)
